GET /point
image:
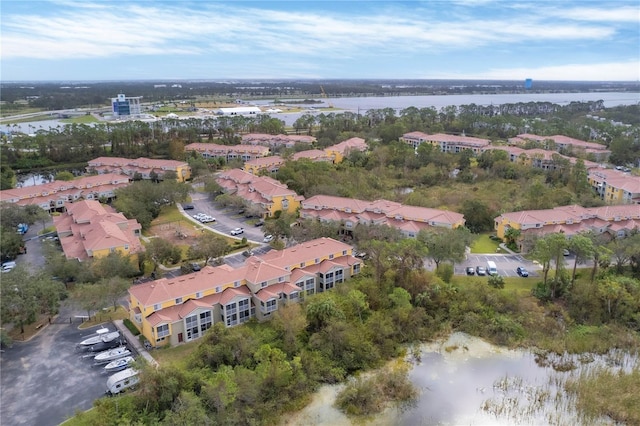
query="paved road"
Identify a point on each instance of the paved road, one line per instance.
(45, 381)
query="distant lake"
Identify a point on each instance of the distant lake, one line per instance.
(398, 103)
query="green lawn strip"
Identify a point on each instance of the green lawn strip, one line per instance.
(87, 118)
(484, 244)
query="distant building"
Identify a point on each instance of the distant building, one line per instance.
(261, 192)
(351, 213)
(228, 152)
(239, 111)
(56, 195)
(528, 84)
(446, 143)
(123, 106)
(287, 141)
(614, 221)
(144, 167)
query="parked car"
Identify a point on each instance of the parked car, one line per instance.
(237, 231)
(259, 223)
(207, 219)
(522, 271)
(247, 253)
(566, 252)
(481, 271)
(195, 267)
(471, 271)
(268, 239)
(188, 207)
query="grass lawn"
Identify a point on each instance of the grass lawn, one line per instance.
(484, 244)
(105, 315)
(520, 285)
(174, 354)
(87, 118)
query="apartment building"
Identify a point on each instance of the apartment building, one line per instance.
(146, 168)
(89, 229)
(446, 143)
(351, 213)
(617, 221)
(537, 158)
(264, 193)
(182, 309)
(341, 150)
(271, 164)
(313, 155)
(228, 152)
(56, 195)
(615, 186)
(287, 141)
(597, 151)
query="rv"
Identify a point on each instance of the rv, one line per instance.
(122, 381)
(491, 268)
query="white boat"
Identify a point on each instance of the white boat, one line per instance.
(102, 337)
(110, 355)
(119, 364)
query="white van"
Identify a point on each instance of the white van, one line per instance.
(122, 381)
(492, 269)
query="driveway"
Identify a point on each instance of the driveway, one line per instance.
(45, 381)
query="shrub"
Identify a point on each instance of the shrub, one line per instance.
(496, 281)
(445, 272)
(132, 328)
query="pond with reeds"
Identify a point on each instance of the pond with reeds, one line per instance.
(465, 380)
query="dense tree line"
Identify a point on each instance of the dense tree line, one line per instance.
(79, 143)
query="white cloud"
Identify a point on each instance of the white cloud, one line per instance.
(98, 30)
(612, 13)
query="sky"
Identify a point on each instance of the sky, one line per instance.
(86, 40)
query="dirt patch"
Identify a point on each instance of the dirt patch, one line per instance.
(179, 232)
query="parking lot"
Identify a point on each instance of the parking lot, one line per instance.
(506, 264)
(46, 380)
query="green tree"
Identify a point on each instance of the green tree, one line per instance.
(445, 244)
(321, 310)
(64, 176)
(209, 247)
(90, 297)
(478, 216)
(582, 247)
(10, 243)
(162, 251)
(25, 296)
(113, 265)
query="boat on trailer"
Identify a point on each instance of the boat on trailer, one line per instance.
(102, 336)
(112, 354)
(119, 364)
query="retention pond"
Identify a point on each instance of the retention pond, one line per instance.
(465, 380)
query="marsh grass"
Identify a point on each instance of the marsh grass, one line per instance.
(602, 392)
(366, 396)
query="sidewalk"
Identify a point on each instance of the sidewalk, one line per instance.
(135, 342)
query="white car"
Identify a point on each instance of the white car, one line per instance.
(207, 219)
(268, 239)
(237, 231)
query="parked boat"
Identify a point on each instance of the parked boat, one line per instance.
(110, 355)
(102, 337)
(118, 364)
(103, 346)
